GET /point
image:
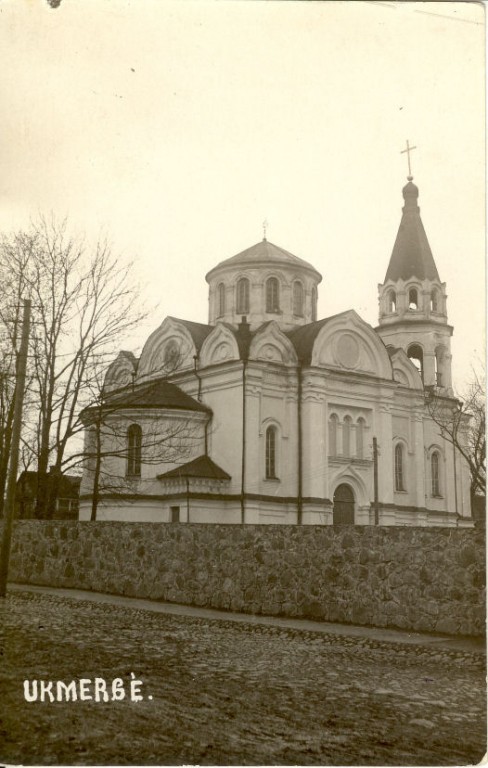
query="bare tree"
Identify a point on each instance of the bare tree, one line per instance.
(84, 301)
(463, 424)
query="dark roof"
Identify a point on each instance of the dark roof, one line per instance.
(265, 253)
(203, 466)
(67, 486)
(303, 338)
(198, 331)
(411, 255)
(154, 394)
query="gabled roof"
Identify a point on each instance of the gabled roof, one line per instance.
(303, 338)
(198, 331)
(203, 466)
(154, 394)
(264, 253)
(411, 255)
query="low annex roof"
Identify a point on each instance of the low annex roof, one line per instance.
(203, 466)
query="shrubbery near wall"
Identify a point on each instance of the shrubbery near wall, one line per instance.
(427, 579)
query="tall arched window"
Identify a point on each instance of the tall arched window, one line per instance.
(134, 448)
(221, 299)
(346, 436)
(270, 467)
(360, 438)
(314, 304)
(434, 301)
(416, 355)
(413, 299)
(297, 299)
(399, 468)
(242, 303)
(392, 301)
(272, 295)
(434, 471)
(333, 435)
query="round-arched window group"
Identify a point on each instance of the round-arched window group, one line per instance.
(272, 298)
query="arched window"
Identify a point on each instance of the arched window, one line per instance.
(297, 299)
(392, 301)
(416, 355)
(171, 356)
(360, 438)
(346, 436)
(272, 295)
(413, 299)
(434, 471)
(434, 301)
(134, 447)
(314, 304)
(242, 304)
(333, 435)
(221, 299)
(271, 453)
(399, 468)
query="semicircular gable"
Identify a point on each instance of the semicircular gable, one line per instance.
(219, 346)
(347, 342)
(121, 372)
(169, 348)
(271, 344)
(404, 371)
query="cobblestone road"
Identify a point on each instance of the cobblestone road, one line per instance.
(230, 694)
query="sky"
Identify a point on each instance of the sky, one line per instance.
(176, 128)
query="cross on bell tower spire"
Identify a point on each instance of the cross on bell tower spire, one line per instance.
(408, 150)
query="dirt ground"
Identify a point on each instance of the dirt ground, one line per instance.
(220, 693)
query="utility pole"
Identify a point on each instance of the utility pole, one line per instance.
(375, 482)
(14, 448)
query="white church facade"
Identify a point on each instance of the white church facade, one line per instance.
(267, 414)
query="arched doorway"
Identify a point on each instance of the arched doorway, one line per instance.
(343, 505)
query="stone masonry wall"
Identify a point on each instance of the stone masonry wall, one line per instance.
(427, 579)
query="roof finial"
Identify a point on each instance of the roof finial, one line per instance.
(408, 150)
(265, 226)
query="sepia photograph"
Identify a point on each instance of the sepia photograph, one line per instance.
(242, 383)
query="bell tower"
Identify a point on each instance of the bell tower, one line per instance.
(412, 300)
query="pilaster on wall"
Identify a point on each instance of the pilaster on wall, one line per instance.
(314, 455)
(385, 451)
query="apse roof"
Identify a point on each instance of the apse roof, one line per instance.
(154, 394)
(203, 466)
(411, 255)
(264, 253)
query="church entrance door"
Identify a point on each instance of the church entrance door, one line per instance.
(343, 513)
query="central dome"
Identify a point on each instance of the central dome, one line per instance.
(264, 253)
(263, 283)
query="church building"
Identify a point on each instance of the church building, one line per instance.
(268, 414)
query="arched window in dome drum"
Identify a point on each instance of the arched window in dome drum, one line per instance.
(242, 304)
(272, 295)
(314, 304)
(221, 299)
(297, 299)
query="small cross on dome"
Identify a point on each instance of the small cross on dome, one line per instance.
(408, 150)
(265, 226)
